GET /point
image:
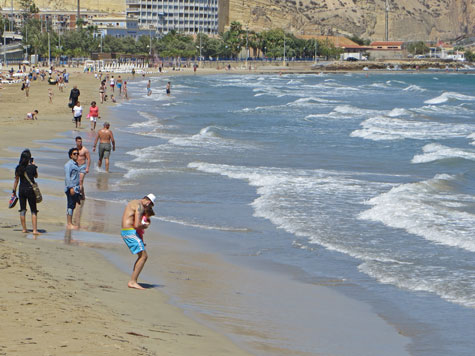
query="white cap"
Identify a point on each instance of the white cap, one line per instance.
(152, 198)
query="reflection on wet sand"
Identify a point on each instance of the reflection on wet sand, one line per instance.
(102, 181)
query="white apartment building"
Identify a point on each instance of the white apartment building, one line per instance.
(185, 16)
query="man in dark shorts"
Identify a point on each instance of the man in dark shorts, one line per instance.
(106, 142)
(71, 185)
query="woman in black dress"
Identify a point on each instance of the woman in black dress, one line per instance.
(25, 192)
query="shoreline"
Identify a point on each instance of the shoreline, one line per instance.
(56, 223)
(68, 298)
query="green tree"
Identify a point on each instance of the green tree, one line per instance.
(417, 47)
(470, 56)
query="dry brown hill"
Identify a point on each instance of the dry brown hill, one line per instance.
(408, 19)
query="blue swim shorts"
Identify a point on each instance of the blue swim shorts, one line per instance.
(131, 239)
(82, 168)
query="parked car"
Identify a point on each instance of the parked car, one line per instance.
(352, 59)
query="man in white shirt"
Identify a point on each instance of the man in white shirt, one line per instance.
(77, 111)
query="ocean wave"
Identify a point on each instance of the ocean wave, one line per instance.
(382, 128)
(210, 138)
(310, 101)
(435, 152)
(414, 87)
(446, 96)
(353, 110)
(423, 278)
(425, 209)
(398, 112)
(146, 155)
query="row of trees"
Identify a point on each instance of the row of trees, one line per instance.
(231, 44)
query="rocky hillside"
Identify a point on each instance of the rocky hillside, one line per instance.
(408, 19)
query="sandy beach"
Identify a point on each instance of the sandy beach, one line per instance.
(62, 297)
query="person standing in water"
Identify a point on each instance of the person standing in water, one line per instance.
(149, 89)
(169, 88)
(106, 142)
(84, 161)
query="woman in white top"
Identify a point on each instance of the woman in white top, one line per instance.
(77, 110)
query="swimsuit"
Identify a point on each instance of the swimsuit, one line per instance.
(104, 150)
(131, 239)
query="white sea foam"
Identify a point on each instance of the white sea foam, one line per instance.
(425, 209)
(446, 96)
(147, 155)
(291, 200)
(422, 278)
(134, 171)
(209, 138)
(398, 112)
(434, 152)
(472, 137)
(353, 110)
(203, 226)
(381, 128)
(414, 87)
(310, 101)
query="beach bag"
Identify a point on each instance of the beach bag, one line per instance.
(71, 105)
(23, 86)
(13, 201)
(36, 189)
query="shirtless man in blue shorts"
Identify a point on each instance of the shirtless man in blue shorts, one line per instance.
(131, 221)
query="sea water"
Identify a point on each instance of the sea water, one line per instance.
(367, 179)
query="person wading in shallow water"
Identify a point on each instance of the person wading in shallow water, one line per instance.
(131, 222)
(105, 138)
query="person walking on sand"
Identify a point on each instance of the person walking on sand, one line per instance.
(112, 83)
(50, 95)
(102, 91)
(27, 87)
(105, 138)
(84, 161)
(74, 96)
(93, 115)
(25, 173)
(77, 113)
(131, 222)
(72, 188)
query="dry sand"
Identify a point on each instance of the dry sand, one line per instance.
(59, 299)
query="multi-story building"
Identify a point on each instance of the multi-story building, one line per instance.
(185, 16)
